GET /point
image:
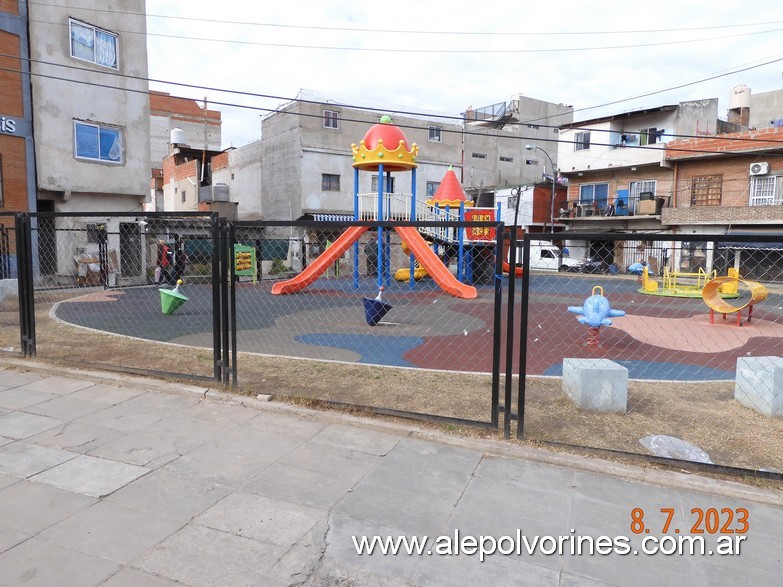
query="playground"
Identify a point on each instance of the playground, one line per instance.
(428, 329)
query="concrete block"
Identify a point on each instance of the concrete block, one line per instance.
(597, 385)
(9, 290)
(759, 384)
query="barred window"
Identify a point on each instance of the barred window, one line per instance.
(706, 190)
(331, 119)
(434, 134)
(763, 191)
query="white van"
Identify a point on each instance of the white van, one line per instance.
(544, 256)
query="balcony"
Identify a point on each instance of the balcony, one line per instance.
(644, 205)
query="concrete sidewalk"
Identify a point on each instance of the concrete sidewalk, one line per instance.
(122, 481)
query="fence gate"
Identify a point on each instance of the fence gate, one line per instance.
(301, 293)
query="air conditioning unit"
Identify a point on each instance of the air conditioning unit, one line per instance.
(761, 168)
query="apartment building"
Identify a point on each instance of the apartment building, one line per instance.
(91, 125)
(17, 155)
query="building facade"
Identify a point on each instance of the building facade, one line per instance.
(17, 154)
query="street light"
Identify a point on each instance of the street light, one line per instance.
(552, 197)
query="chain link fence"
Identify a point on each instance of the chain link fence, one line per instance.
(96, 275)
(669, 346)
(10, 325)
(662, 346)
(310, 291)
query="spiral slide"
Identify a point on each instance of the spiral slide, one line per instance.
(437, 270)
(325, 260)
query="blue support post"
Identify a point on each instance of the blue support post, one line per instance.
(412, 257)
(461, 242)
(356, 217)
(379, 218)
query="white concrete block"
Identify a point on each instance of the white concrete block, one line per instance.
(597, 385)
(759, 384)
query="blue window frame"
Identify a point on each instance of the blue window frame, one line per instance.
(596, 194)
(97, 142)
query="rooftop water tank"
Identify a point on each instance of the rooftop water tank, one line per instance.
(740, 97)
(177, 136)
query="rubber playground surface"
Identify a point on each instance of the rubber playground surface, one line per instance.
(669, 339)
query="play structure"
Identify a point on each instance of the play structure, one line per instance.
(719, 288)
(404, 273)
(385, 150)
(595, 312)
(679, 284)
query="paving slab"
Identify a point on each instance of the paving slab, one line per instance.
(167, 494)
(76, 436)
(17, 398)
(12, 378)
(146, 449)
(203, 557)
(262, 518)
(90, 475)
(10, 538)
(331, 460)
(124, 416)
(18, 425)
(301, 486)
(29, 507)
(358, 439)
(211, 465)
(112, 531)
(106, 393)
(24, 459)
(37, 562)
(129, 577)
(6, 480)
(57, 384)
(65, 407)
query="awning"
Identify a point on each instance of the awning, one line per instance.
(773, 241)
(752, 246)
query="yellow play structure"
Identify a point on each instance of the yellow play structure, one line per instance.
(673, 286)
(404, 273)
(719, 288)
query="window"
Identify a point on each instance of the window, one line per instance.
(330, 182)
(434, 134)
(432, 187)
(648, 136)
(97, 142)
(331, 119)
(389, 187)
(764, 192)
(506, 159)
(594, 195)
(479, 155)
(1, 181)
(582, 141)
(93, 44)
(184, 196)
(639, 187)
(706, 191)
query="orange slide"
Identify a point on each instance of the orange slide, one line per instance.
(321, 263)
(437, 270)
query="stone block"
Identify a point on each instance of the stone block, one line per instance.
(597, 385)
(759, 384)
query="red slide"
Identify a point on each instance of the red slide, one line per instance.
(325, 260)
(429, 260)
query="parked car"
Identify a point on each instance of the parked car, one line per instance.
(588, 265)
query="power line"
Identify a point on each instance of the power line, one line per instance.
(422, 32)
(297, 100)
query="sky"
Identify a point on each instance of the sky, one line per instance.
(600, 57)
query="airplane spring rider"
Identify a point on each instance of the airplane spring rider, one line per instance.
(595, 312)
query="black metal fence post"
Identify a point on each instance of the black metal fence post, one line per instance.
(524, 302)
(216, 299)
(232, 301)
(512, 275)
(496, 323)
(24, 263)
